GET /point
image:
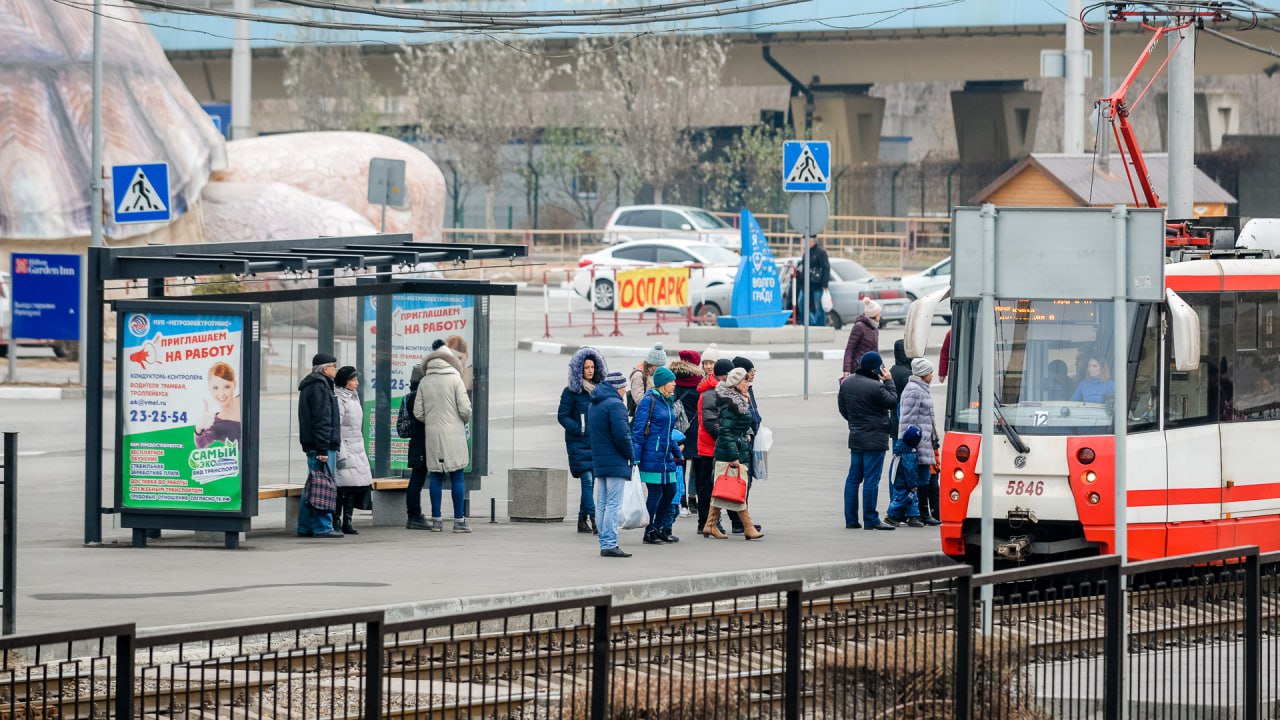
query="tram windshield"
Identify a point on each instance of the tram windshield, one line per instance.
(1054, 367)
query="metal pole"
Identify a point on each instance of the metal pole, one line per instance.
(373, 669)
(13, 347)
(10, 578)
(1073, 120)
(95, 184)
(1104, 136)
(793, 658)
(1252, 636)
(987, 399)
(1182, 131)
(600, 660)
(93, 399)
(241, 75)
(808, 311)
(1120, 417)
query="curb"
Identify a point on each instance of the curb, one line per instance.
(555, 348)
(631, 591)
(41, 393)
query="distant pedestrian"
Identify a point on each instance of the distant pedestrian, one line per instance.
(320, 434)
(708, 429)
(444, 409)
(944, 358)
(864, 337)
(819, 280)
(416, 458)
(640, 380)
(586, 371)
(916, 410)
(900, 371)
(612, 456)
(657, 455)
(709, 358)
(355, 478)
(866, 400)
(735, 522)
(733, 447)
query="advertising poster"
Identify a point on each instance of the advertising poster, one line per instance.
(417, 321)
(181, 414)
(664, 288)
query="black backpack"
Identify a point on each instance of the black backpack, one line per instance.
(404, 420)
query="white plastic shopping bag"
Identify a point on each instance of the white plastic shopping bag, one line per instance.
(827, 301)
(760, 453)
(635, 509)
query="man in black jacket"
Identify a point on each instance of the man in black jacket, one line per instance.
(320, 435)
(819, 279)
(866, 399)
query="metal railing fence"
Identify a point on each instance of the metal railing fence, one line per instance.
(1030, 643)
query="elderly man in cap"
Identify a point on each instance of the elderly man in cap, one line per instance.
(866, 400)
(864, 337)
(320, 434)
(612, 456)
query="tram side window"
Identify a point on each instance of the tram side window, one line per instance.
(1187, 399)
(1144, 398)
(1256, 385)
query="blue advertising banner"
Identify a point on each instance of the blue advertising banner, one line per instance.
(46, 297)
(757, 292)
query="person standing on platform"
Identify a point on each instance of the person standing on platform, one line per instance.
(741, 362)
(708, 429)
(320, 435)
(864, 337)
(733, 447)
(657, 455)
(444, 409)
(640, 381)
(916, 408)
(709, 358)
(417, 456)
(819, 279)
(612, 456)
(689, 374)
(866, 401)
(355, 478)
(586, 371)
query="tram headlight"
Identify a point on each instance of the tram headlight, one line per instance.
(958, 474)
(962, 454)
(1086, 456)
(955, 496)
(1089, 476)
(1094, 498)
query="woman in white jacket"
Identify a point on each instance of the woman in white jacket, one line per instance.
(354, 477)
(443, 407)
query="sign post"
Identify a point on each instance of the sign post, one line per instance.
(806, 172)
(386, 185)
(45, 304)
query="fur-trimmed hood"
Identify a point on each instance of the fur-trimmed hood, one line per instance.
(726, 393)
(578, 360)
(687, 374)
(444, 354)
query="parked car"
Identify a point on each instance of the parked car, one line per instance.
(643, 222)
(935, 277)
(720, 266)
(850, 283)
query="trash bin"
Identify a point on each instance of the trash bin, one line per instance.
(537, 494)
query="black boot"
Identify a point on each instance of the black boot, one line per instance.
(583, 527)
(346, 522)
(668, 537)
(653, 537)
(591, 521)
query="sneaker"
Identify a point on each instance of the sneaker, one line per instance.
(892, 522)
(684, 512)
(460, 526)
(882, 525)
(915, 522)
(437, 525)
(331, 534)
(932, 522)
(417, 523)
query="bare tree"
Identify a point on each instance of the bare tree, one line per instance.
(748, 173)
(476, 97)
(647, 94)
(331, 88)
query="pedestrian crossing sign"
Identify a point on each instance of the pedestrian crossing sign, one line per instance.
(806, 166)
(140, 193)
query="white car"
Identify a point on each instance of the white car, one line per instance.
(932, 278)
(594, 277)
(643, 222)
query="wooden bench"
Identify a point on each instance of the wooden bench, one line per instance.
(388, 501)
(292, 494)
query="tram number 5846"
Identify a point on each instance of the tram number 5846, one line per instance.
(1024, 487)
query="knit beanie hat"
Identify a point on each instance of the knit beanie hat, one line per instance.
(736, 376)
(322, 359)
(921, 367)
(870, 308)
(663, 376)
(656, 356)
(743, 363)
(911, 436)
(344, 376)
(711, 354)
(691, 356)
(723, 366)
(615, 379)
(871, 362)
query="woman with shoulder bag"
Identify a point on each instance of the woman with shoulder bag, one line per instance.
(657, 455)
(733, 455)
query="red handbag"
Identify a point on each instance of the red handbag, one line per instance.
(730, 487)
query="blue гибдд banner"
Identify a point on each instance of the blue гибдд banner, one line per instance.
(46, 297)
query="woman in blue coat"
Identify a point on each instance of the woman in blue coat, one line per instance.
(586, 370)
(657, 455)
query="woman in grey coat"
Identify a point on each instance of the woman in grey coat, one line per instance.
(443, 407)
(354, 478)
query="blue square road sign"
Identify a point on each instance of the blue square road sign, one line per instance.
(140, 193)
(806, 166)
(46, 297)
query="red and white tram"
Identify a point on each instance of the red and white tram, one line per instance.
(1201, 429)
